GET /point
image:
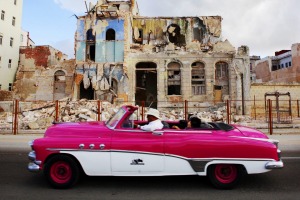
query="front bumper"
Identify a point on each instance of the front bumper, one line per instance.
(274, 165)
(34, 165)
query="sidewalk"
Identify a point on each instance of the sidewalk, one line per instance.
(9, 142)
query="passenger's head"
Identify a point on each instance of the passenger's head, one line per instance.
(195, 122)
(152, 114)
(182, 124)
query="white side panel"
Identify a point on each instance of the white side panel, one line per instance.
(139, 163)
(93, 163)
(178, 166)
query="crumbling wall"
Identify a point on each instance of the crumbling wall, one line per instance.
(191, 33)
(5, 95)
(35, 75)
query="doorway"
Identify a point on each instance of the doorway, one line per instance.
(86, 93)
(146, 84)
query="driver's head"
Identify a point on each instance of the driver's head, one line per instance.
(152, 114)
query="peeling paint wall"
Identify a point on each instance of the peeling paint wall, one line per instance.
(35, 75)
(178, 30)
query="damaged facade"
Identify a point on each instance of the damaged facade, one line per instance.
(121, 55)
(43, 74)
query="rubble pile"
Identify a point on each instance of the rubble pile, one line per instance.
(41, 115)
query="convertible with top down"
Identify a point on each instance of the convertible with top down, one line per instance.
(221, 151)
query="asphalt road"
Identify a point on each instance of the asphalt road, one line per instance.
(17, 183)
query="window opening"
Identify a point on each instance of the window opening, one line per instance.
(175, 36)
(13, 21)
(10, 87)
(110, 34)
(139, 39)
(2, 14)
(9, 63)
(174, 79)
(11, 43)
(198, 78)
(222, 70)
(91, 47)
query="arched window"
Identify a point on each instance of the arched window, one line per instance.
(221, 70)
(59, 85)
(110, 34)
(198, 78)
(222, 78)
(59, 76)
(89, 35)
(174, 79)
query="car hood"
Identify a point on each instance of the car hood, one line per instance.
(77, 129)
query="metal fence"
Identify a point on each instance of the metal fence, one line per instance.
(16, 116)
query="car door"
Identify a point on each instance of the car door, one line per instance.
(182, 147)
(137, 152)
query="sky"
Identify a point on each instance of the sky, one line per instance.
(265, 26)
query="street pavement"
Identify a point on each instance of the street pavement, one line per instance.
(9, 142)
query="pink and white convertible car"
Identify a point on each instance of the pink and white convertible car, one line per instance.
(220, 151)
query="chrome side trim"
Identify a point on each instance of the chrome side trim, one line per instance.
(274, 165)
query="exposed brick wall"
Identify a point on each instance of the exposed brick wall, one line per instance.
(40, 55)
(5, 95)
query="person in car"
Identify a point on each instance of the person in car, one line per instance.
(154, 121)
(194, 122)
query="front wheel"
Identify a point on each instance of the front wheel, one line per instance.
(225, 176)
(62, 171)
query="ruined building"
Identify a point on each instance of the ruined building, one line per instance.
(284, 67)
(43, 74)
(122, 55)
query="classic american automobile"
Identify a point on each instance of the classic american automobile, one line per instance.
(220, 151)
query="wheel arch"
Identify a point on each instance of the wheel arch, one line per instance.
(209, 164)
(65, 154)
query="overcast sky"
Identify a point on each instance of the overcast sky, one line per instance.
(265, 26)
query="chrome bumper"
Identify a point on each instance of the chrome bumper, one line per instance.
(33, 166)
(274, 165)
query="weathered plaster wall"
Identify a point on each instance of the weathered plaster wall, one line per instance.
(258, 91)
(35, 75)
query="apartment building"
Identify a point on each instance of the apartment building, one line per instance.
(281, 68)
(10, 39)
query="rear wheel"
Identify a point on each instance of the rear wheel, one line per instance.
(62, 171)
(225, 176)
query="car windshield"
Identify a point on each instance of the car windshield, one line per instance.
(113, 121)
